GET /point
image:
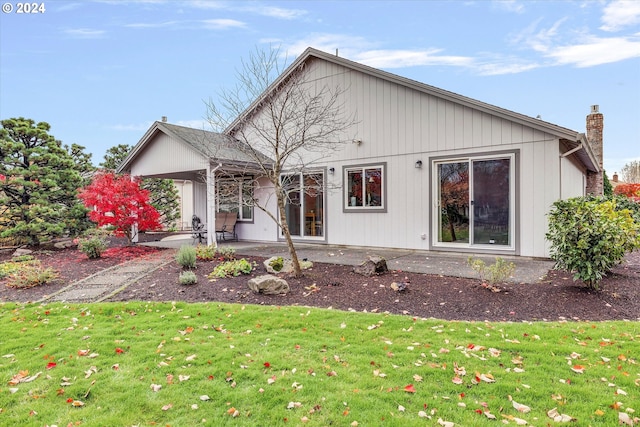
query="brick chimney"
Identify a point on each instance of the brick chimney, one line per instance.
(595, 126)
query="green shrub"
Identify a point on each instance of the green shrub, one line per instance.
(589, 236)
(16, 264)
(188, 278)
(277, 263)
(92, 247)
(205, 253)
(231, 268)
(31, 275)
(227, 253)
(492, 274)
(186, 256)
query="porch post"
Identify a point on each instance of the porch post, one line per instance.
(211, 213)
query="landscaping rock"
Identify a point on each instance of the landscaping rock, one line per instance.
(64, 244)
(21, 252)
(373, 266)
(287, 265)
(268, 284)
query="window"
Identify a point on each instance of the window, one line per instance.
(365, 187)
(236, 196)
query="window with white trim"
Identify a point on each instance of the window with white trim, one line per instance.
(365, 187)
(235, 196)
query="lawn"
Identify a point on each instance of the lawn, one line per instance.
(177, 364)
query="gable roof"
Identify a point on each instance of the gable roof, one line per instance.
(573, 138)
(217, 147)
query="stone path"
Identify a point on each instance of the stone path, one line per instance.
(106, 283)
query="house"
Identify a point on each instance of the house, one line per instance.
(422, 168)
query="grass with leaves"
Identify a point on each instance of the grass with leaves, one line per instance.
(177, 364)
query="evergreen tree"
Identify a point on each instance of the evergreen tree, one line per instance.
(163, 193)
(39, 180)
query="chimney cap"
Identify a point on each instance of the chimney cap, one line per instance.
(164, 119)
(595, 108)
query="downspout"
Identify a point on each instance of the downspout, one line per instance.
(562, 156)
(211, 215)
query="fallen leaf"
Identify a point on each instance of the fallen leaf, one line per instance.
(167, 407)
(558, 417)
(204, 397)
(410, 388)
(578, 369)
(519, 406)
(624, 418)
(445, 423)
(155, 387)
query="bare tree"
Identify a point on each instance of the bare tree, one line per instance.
(630, 172)
(285, 123)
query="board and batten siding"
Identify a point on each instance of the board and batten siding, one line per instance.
(164, 155)
(399, 124)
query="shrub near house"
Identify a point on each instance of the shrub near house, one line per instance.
(591, 235)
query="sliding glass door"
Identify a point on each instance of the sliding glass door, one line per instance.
(304, 206)
(474, 205)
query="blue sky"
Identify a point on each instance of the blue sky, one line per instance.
(100, 72)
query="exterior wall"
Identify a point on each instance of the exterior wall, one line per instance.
(262, 228)
(185, 193)
(398, 126)
(165, 155)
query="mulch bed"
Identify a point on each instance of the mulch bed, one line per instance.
(557, 297)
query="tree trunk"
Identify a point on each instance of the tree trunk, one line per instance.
(297, 272)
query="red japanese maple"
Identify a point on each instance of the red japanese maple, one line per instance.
(632, 191)
(119, 201)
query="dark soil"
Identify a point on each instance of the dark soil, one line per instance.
(328, 285)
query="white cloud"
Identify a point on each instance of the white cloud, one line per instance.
(222, 24)
(348, 46)
(271, 11)
(619, 14)
(509, 5)
(84, 33)
(538, 40)
(596, 51)
(409, 58)
(278, 12)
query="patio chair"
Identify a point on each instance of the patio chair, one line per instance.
(198, 229)
(226, 225)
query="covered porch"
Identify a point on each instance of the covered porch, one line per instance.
(213, 171)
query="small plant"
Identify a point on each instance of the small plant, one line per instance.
(231, 268)
(227, 253)
(16, 264)
(492, 274)
(93, 246)
(186, 256)
(277, 263)
(30, 276)
(188, 278)
(205, 253)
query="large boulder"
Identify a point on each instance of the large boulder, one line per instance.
(373, 266)
(278, 264)
(268, 284)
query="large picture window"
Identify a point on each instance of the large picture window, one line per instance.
(365, 187)
(235, 196)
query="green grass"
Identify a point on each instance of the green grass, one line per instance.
(336, 368)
